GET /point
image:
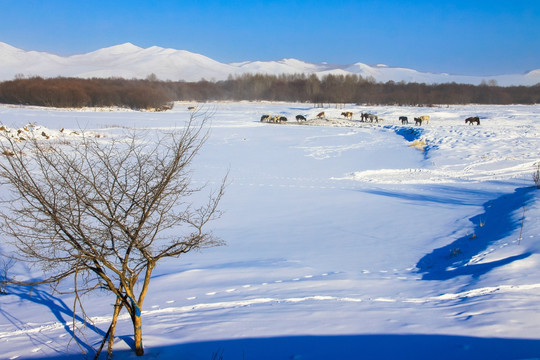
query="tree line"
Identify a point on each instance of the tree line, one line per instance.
(152, 93)
(75, 92)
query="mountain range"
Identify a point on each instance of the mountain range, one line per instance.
(130, 61)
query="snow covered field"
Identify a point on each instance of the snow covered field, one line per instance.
(343, 241)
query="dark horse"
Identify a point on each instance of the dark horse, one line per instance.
(403, 119)
(473, 119)
(417, 121)
(300, 118)
(364, 116)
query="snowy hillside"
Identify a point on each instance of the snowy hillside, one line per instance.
(130, 61)
(345, 240)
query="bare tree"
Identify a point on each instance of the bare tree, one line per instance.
(103, 212)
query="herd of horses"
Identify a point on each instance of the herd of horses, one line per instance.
(274, 119)
(417, 120)
(365, 117)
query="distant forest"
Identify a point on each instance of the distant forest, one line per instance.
(153, 94)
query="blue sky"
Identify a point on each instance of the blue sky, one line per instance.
(474, 37)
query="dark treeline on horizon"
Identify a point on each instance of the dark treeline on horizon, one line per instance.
(155, 94)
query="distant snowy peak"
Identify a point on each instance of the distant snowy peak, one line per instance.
(283, 66)
(4, 48)
(533, 73)
(130, 61)
(118, 50)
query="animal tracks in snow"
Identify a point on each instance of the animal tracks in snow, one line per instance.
(243, 295)
(290, 182)
(407, 274)
(481, 256)
(353, 299)
(250, 287)
(260, 301)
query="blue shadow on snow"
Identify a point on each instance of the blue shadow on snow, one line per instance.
(411, 134)
(493, 224)
(372, 347)
(60, 310)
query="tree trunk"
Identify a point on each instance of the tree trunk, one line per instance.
(117, 307)
(137, 327)
(109, 336)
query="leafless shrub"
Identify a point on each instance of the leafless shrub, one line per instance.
(455, 252)
(536, 176)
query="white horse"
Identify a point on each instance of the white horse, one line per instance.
(425, 119)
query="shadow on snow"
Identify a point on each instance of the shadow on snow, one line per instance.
(63, 313)
(441, 195)
(495, 223)
(411, 134)
(418, 347)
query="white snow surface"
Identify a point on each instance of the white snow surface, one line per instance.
(130, 61)
(343, 241)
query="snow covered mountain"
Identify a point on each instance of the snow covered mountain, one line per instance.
(130, 61)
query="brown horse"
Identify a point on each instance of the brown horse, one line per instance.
(347, 114)
(320, 115)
